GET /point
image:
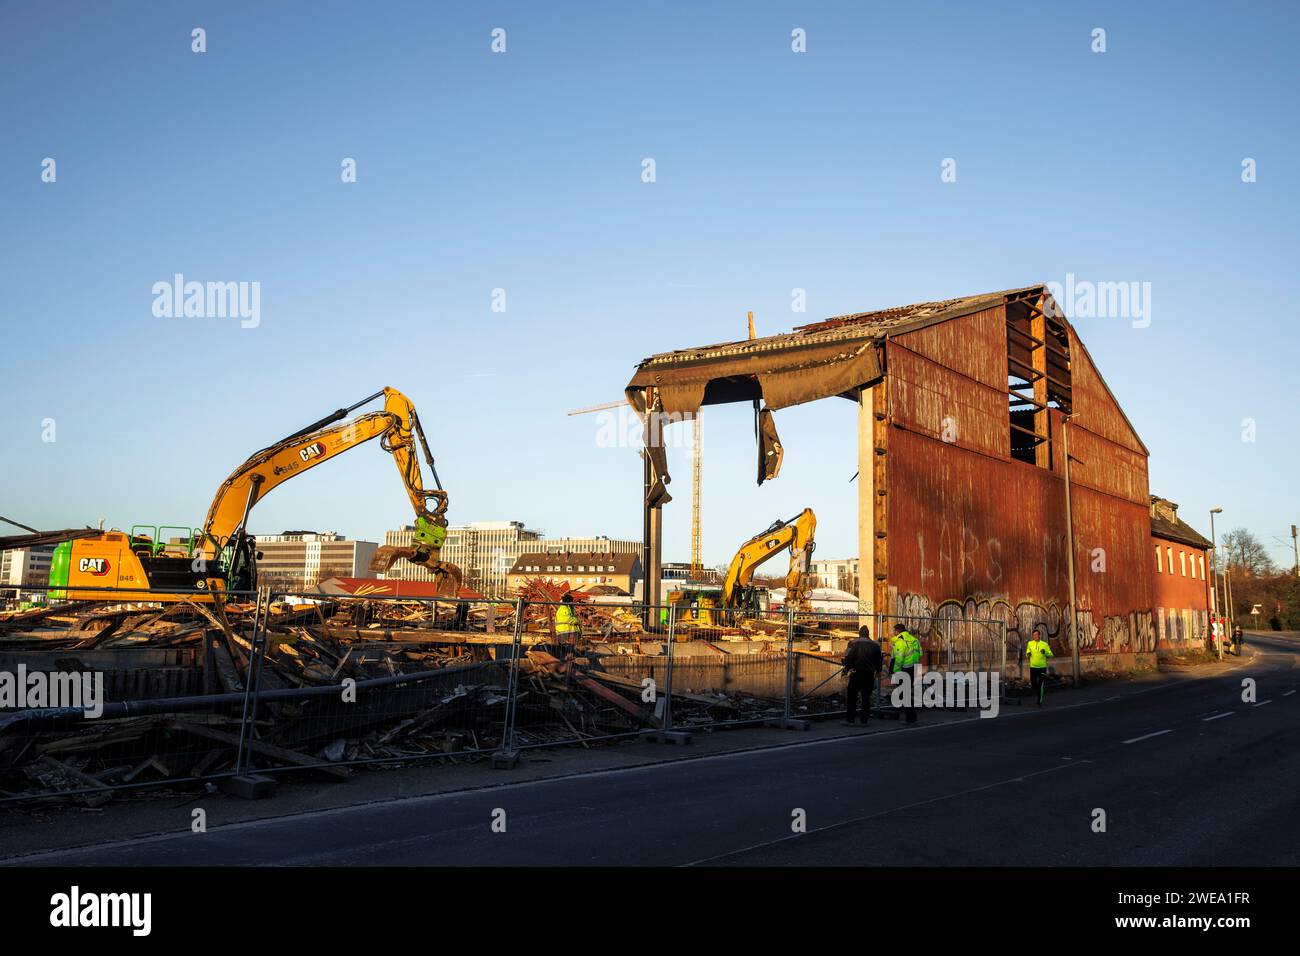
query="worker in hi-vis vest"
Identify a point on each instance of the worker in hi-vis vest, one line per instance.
(567, 627)
(905, 654)
(1038, 653)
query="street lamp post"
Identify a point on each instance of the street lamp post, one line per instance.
(1214, 573)
(1227, 590)
(1069, 535)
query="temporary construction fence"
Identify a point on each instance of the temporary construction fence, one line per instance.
(275, 681)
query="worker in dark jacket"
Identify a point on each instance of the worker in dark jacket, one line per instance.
(862, 662)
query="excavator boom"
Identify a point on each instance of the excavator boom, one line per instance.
(223, 556)
(796, 536)
(398, 429)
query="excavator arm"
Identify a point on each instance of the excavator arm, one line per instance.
(398, 429)
(796, 536)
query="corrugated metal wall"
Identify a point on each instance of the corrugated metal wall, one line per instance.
(972, 532)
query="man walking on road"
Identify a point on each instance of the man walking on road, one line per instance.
(905, 654)
(1038, 652)
(862, 662)
(1237, 640)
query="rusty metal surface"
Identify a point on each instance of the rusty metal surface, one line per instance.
(931, 399)
(987, 538)
(973, 533)
(1096, 409)
(973, 346)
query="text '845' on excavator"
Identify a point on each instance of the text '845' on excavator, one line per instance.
(221, 556)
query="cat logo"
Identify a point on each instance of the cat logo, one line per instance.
(314, 450)
(96, 566)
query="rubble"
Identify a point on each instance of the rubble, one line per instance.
(430, 679)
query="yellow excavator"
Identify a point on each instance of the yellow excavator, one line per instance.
(222, 555)
(796, 536)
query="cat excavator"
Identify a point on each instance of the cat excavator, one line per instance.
(794, 535)
(221, 556)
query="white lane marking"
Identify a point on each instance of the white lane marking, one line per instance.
(1158, 733)
(1263, 702)
(1287, 693)
(1217, 716)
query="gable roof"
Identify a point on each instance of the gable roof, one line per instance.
(1165, 523)
(813, 361)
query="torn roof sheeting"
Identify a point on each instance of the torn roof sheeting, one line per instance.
(814, 361)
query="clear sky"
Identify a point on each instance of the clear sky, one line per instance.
(522, 171)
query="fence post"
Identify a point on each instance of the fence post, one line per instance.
(250, 679)
(1002, 674)
(786, 722)
(668, 670)
(664, 733)
(508, 756)
(879, 622)
(252, 786)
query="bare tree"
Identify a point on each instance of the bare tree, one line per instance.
(1244, 552)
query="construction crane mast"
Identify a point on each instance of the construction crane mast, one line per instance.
(697, 476)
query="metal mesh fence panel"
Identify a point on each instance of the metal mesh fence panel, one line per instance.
(968, 654)
(103, 694)
(202, 687)
(378, 680)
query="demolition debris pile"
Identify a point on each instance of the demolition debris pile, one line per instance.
(346, 681)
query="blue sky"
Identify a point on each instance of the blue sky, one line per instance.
(522, 171)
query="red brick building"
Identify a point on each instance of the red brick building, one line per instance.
(1181, 579)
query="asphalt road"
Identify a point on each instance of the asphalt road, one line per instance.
(1186, 774)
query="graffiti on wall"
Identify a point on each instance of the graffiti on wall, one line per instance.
(1182, 626)
(1117, 634)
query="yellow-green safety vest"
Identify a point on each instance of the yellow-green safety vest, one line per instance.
(566, 620)
(905, 651)
(1038, 652)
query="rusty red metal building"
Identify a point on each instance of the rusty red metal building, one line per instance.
(963, 407)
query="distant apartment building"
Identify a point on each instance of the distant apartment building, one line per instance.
(1181, 583)
(485, 552)
(299, 560)
(675, 573)
(581, 569)
(838, 573)
(26, 567)
(600, 544)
